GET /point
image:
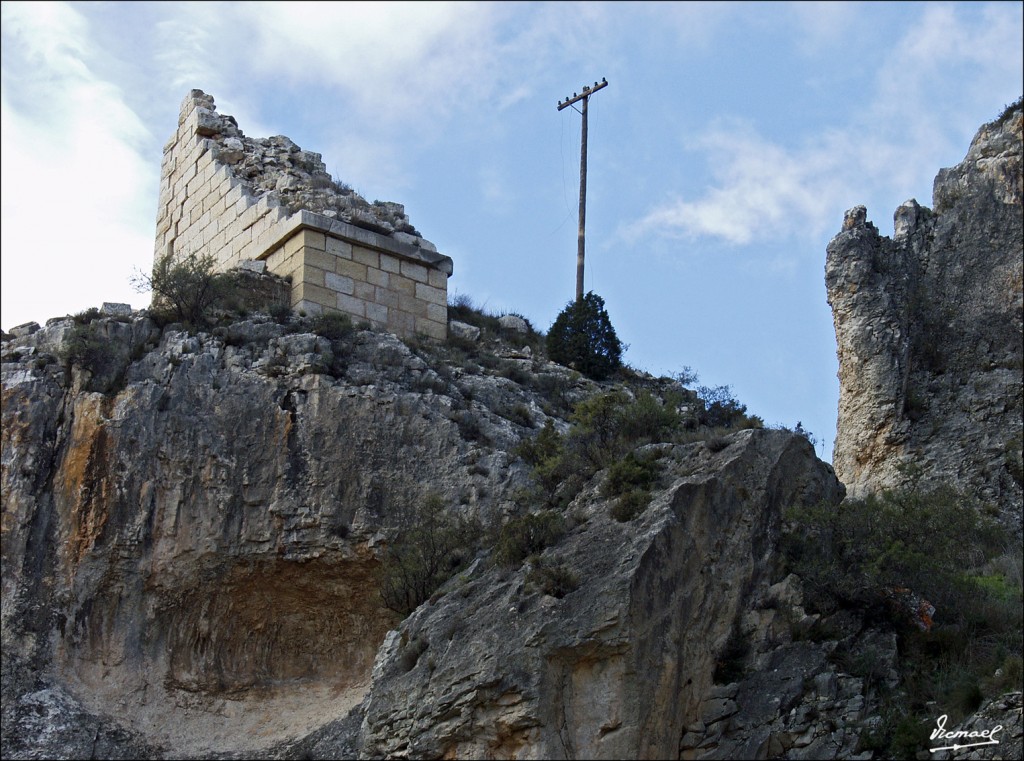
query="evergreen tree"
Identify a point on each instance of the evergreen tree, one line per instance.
(582, 337)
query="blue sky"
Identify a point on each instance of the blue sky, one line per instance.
(731, 139)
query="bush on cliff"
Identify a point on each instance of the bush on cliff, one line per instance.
(528, 535)
(922, 562)
(430, 546)
(722, 409)
(856, 553)
(582, 337)
(85, 346)
(184, 289)
(605, 429)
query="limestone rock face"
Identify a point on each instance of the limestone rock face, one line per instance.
(194, 551)
(619, 667)
(189, 558)
(929, 332)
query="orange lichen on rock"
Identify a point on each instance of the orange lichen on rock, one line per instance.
(82, 481)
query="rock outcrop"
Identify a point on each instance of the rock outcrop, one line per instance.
(189, 559)
(206, 532)
(929, 332)
(194, 524)
(620, 666)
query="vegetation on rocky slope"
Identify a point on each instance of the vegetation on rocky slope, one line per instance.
(927, 564)
(580, 458)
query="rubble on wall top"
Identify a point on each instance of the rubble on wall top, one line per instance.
(298, 178)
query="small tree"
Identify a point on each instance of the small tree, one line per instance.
(582, 337)
(183, 289)
(429, 547)
(721, 408)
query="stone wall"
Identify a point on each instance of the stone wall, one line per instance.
(241, 199)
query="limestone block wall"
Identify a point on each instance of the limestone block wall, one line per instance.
(348, 256)
(353, 271)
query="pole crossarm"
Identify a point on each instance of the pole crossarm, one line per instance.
(587, 91)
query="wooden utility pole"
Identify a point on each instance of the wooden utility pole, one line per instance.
(581, 242)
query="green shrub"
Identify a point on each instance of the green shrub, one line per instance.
(607, 426)
(466, 346)
(87, 316)
(597, 426)
(333, 326)
(519, 414)
(687, 376)
(546, 445)
(556, 469)
(469, 426)
(857, 552)
(555, 579)
(276, 366)
(86, 347)
(429, 548)
(721, 408)
(605, 429)
(582, 337)
(880, 553)
(280, 313)
(910, 735)
(184, 289)
(1009, 676)
(527, 535)
(630, 505)
(630, 473)
(462, 308)
(717, 443)
(433, 382)
(514, 372)
(648, 419)
(1008, 111)
(553, 387)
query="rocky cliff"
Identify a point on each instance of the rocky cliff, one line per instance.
(207, 530)
(191, 554)
(929, 332)
(200, 528)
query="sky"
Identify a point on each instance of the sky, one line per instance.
(721, 157)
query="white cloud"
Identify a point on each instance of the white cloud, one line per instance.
(395, 63)
(386, 73)
(695, 25)
(185, 47)
(396, 60)
(368, 164)
(970, 60)
(71, 167)
(761, 189)
(765, 189)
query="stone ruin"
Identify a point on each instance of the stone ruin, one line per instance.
(264, 200)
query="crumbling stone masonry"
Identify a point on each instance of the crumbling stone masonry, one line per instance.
(265, 199)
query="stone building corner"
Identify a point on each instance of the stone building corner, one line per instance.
(241, 199)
